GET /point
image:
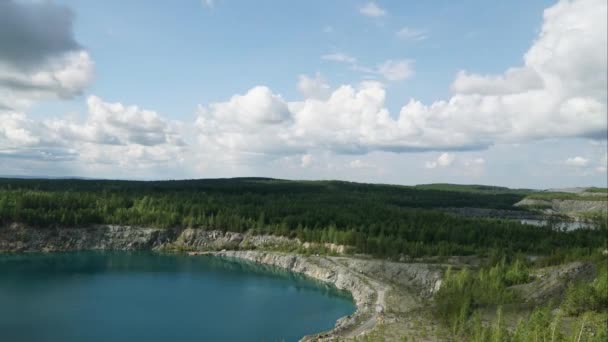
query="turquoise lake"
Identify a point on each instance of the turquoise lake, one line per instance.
(152, 297)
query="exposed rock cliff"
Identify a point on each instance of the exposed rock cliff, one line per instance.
(551, 282)
(352, 275)
(573, 208)
(19, 238)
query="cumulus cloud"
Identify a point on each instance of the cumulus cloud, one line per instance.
(63, 77)
(475, 162)
(408, 33)
(39, 57)
(339, 57)
(603, 164)
(391, 70)
(17, 132)
(111, 133)
(474, 167)
(396, 70)
(559, 92)
(359, 164)
(316, 88)
(444, 160)
(371, 9)
(255, 122)
(306, 160)
(33, 32)
(577, 161)
(116, 124)
(513, 81)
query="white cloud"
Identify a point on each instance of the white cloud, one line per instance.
(208, 3)
(116, 124)
(339, 57)
(475, 162)
(603, 164)
(371, 9)
(474, 167)
(315, 88)
(17, 131)
(39, 58)
(558, 92)
(513, 81)
(577, 161)
(359, 164)
(111, 133)
(306, 160)
(391, 70)
(328, 29)
(64, 77)
(444, 160)
(407, 33)
(255, 122)
(545, 98)
(396, 70)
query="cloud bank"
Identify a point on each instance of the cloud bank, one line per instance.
(558, 91)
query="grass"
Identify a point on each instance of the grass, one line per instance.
(597, 190)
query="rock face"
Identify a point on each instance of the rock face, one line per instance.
(19, 238)
(565, 206)
(322, 269)
(419, 278)
(552, 282)
(367, 280)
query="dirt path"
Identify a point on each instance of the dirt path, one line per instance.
(377, 316)
(380, 305)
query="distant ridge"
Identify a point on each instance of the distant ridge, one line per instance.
(474, 188)
(47, 177)
(471, 188)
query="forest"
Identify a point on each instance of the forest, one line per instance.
(382, 220)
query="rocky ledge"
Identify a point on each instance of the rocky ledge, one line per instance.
(351, 275)
(21, 238)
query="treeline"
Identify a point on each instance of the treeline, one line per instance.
(382, 220)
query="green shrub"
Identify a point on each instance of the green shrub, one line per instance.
(463, 291)
(585, 296)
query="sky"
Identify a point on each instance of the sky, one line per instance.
(510, 93)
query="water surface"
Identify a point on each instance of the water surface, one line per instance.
(150, 297)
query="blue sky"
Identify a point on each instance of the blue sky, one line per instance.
(385, 91)
(142, 49)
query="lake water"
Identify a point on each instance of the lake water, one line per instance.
(151, 297)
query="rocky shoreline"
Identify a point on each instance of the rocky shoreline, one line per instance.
(368, 281)
(364, 294)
